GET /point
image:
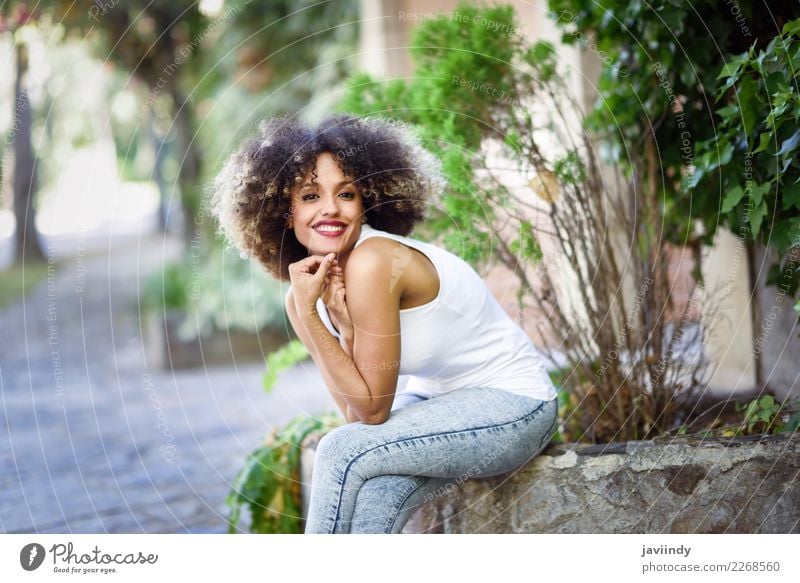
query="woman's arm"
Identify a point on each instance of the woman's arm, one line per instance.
(374, 309)
(301, 331)
(334, 298)
(367, 380)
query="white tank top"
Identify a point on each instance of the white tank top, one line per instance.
(462, 338)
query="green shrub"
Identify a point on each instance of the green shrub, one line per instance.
(766, 415)
(221, 292)
(282, 359)
(167, 290)
(228, 292)
(753, 157)
(269, 483)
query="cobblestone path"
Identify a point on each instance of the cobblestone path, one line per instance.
(93, 439)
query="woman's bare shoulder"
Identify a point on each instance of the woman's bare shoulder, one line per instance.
(410, 276)
(370, 263)
(372, 250)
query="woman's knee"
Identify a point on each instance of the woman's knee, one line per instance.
(332, 443)
(344, 442)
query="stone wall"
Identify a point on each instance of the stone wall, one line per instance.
(742, 485)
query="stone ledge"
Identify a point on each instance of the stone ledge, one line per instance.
(680, 485)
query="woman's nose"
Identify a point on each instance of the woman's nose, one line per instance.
(330, 206)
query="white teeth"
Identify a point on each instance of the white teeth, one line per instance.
(330, 228)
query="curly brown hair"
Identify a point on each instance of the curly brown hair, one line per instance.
(252, 193)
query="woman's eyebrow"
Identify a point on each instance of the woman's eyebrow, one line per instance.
(314, 184)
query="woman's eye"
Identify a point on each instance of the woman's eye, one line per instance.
(312, 195)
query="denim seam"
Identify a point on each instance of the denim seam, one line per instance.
(400, 506)
(550, 433)
(350, 463)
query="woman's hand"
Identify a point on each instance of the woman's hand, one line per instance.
(333, 296)
(307, 278)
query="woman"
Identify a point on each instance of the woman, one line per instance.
(329, 210)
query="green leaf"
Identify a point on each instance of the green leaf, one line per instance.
(795, 63)
(543, 51)
(790, 196)
(732, 199)
(726, 155)
(268, 484)
(513, 141)
(791, 27)
(746, 95)
(784, 235)
(763, 142)
(767, 402)
(727, 112)
(732, 67)
(756, 217)
(757, 193)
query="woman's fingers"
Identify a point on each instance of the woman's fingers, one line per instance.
(312, 263)
(309, 278)
(330, 292)
(328, 289)
(332, 288)
(324, 266)
(338, 302)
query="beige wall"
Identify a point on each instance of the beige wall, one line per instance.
(730, 346)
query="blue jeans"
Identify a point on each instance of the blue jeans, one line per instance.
(372, 478)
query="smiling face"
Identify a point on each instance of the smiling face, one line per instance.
(327, 210)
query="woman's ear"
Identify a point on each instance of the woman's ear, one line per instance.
(288, 222)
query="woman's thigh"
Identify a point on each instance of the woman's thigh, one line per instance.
(406, 398)
(471, 432)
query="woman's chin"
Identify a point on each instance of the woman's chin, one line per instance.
(323, 245)
(332, 247)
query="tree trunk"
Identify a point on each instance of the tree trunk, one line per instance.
(160, 149)
(756, 294)
(24, 181)
(189, 166)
